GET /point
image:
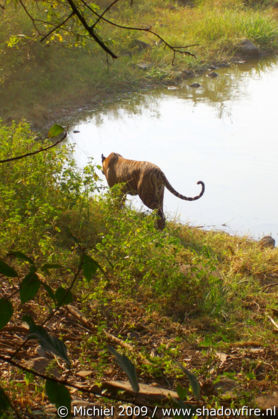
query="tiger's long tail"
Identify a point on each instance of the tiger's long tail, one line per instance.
(173, 191)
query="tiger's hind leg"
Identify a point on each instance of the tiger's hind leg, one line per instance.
(160, 219)
(154, 201)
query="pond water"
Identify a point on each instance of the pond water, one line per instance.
(223, 133)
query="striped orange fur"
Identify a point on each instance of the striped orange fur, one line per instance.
(144, 179)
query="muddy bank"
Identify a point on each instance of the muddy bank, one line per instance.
(43, 94)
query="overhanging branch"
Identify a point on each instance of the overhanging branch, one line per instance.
(30, 16)
(100, 17)
(103, 13)
(32, 153)
(175, 49)
(89, 29)
(56, 27)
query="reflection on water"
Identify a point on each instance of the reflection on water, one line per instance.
(223, 133)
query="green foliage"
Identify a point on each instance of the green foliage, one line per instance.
(4, 402)
(6, 311)
(29, 287)
(59, 395)
(7, 270)
(21, 256)
(55, 130)
(63, 296)
(146, 263)
(127, 366)
(37, 191)
(89, 267)
(193, 381)
(48, 342)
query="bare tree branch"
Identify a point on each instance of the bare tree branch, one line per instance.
(175, 49)
(30, 16)
(56, 27)
(67, 383)
(272, 321)
(89, 29)
(62, 28)
(35, 152)
(100, 17)
(103, 13)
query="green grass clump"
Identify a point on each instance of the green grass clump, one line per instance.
(231, 26)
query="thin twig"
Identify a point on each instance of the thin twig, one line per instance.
(269, 286)
(65, 382)
(89, 29)
(103, 13)
(35, 152)
(64, 29)
(272, 321)
(30, 16)
(179, 49)
(57, 27)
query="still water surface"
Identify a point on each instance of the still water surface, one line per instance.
(224, 133)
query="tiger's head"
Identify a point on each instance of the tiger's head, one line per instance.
(106, 161)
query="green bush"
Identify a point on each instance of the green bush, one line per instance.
(146, 264)
(37, 191)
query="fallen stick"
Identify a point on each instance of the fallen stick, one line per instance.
(273, 322)
(76, 313)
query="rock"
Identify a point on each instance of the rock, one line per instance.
(177, 76)
(247, 49)
(41, 365)
(144, 66)
(187, 74)
(146, 393)
(225, 387)
(236, 61)
(84, 373)
(222, 357)
(195, 85)
(267, 241)
(223, 65)
(139, 45)
(212, 74)
(267, 401)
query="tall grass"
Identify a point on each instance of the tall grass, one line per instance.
(229, 25)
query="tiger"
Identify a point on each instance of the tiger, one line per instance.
(144, 179)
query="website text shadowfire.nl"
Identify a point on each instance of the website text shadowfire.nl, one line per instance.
(144, 411)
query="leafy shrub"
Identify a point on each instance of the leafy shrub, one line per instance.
(36, 191)
(146, 264)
